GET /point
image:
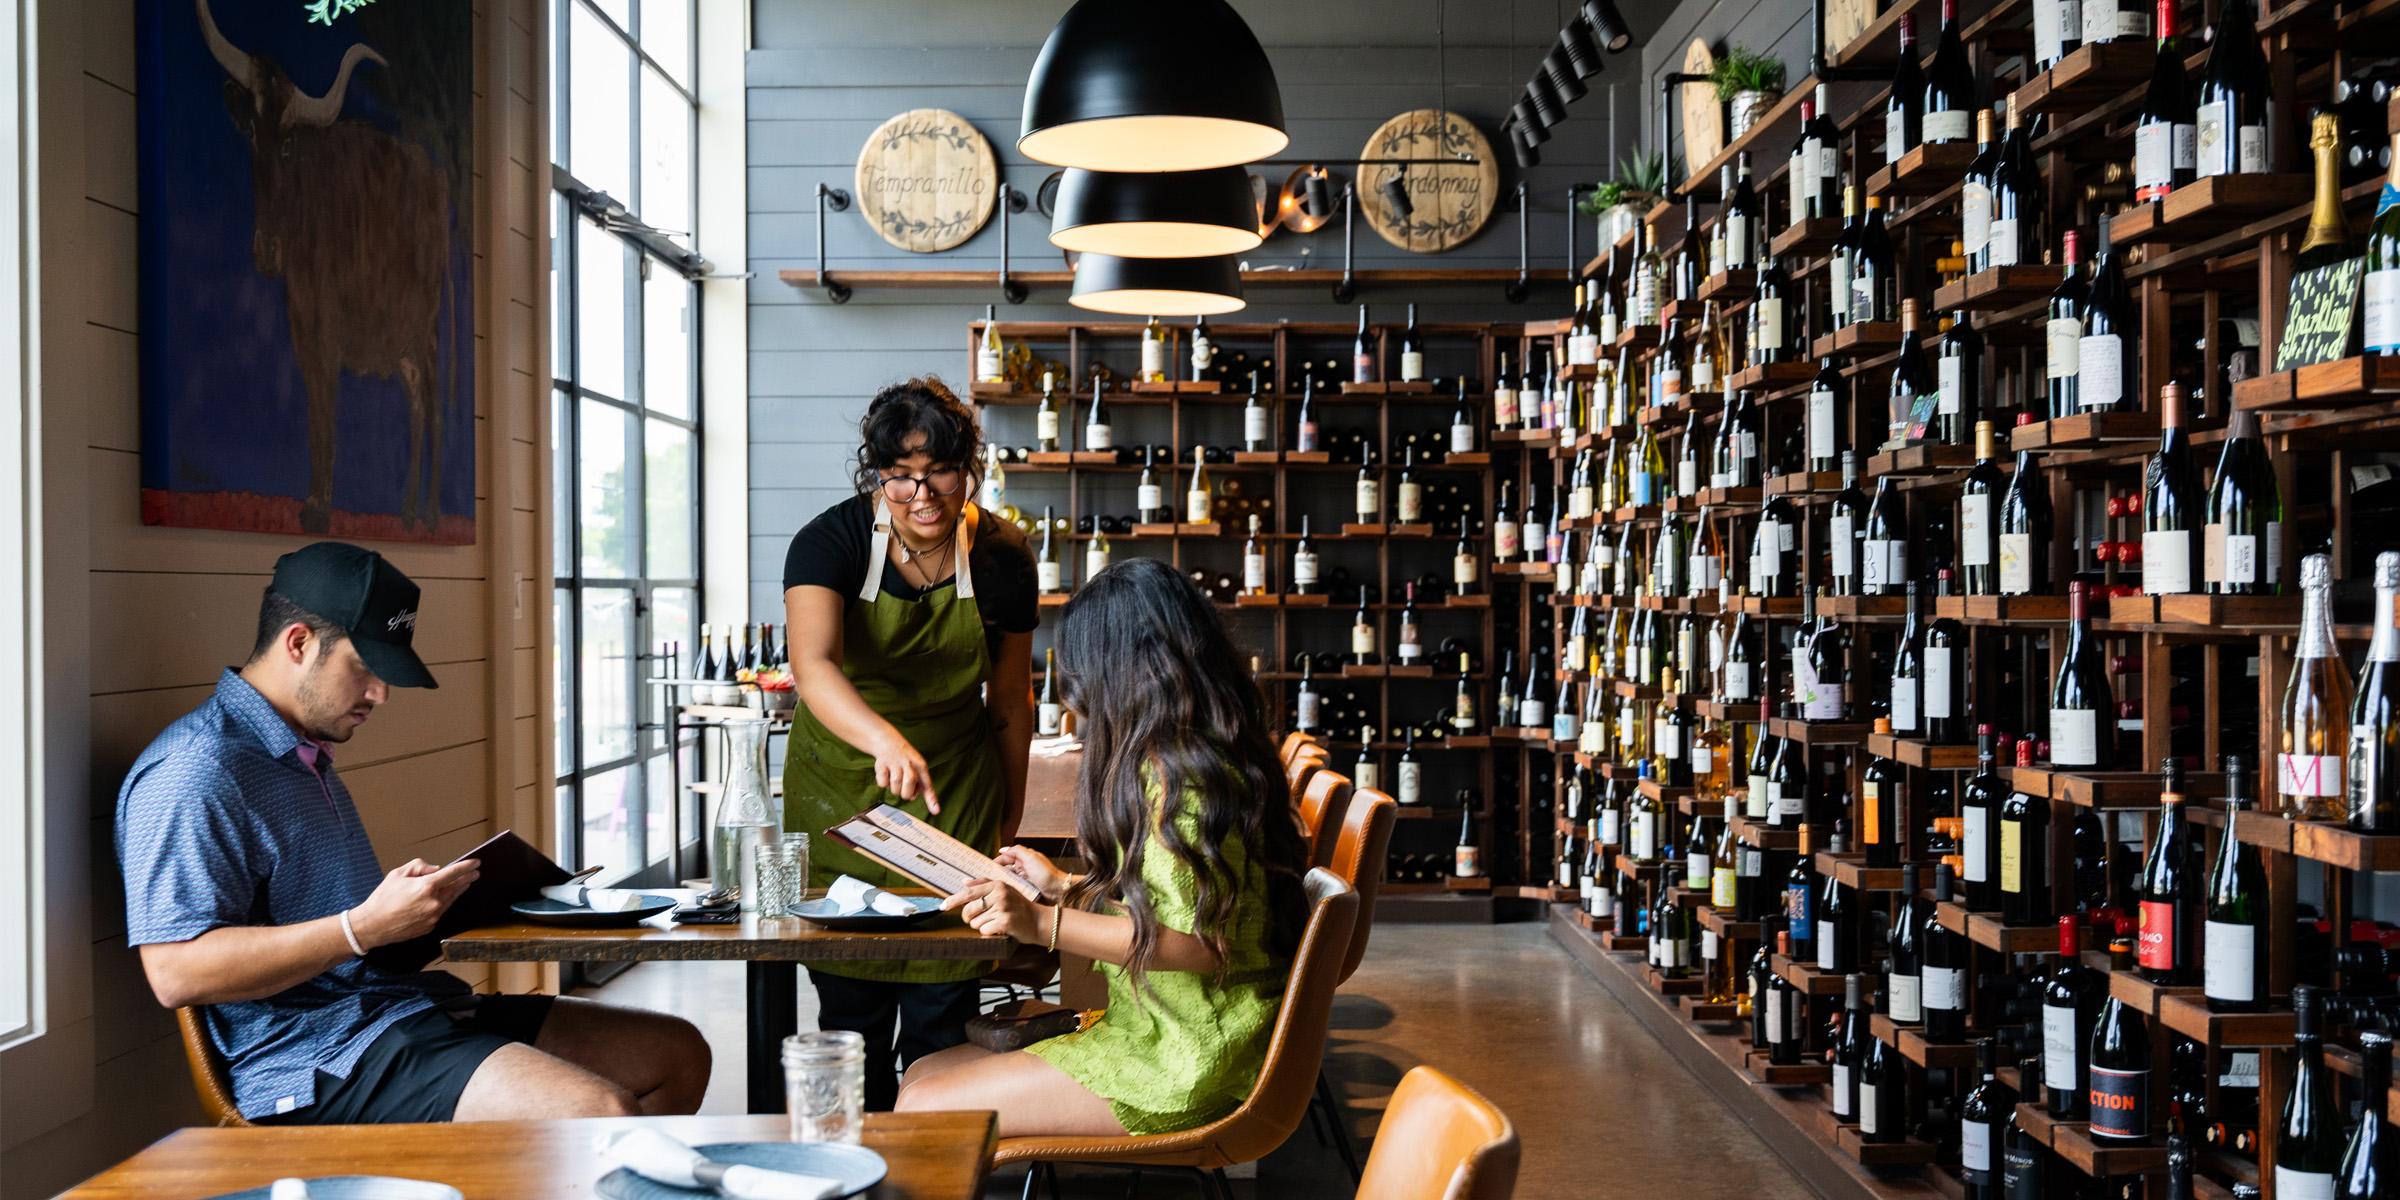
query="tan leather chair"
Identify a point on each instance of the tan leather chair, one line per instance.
(1279, 1099)
(209, 1076)
(1294, 741)
(1440, 1140)
(1323, 800)
(1294, 772)
(1357, 857)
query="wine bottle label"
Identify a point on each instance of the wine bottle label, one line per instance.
(988, 365)
(1951, 392)
(1975, 529)
(1254, 572)
(2061, 1051)
(2155, 949)
(1593, 739)
(1098, 437)
(2309, 774)
(1197, 507)
(1843, 1091)
(1895, 134)
(2237, 556)
(2274, 567)
(1045, 576)
(1304, 569)
(1308, 436)
(2001, 243)
(1696, 872)
(1978, 844)
(1596, 899)
(1862, 294)
(2379, 305)
(1887, 562)
(2120, 1102)
(1412, 646)
(1533, 713)
(1412, 501)
(1975, 215)
(2074, 737)
(2016, 564)
(1529, 408)
(1826, 955)
(1411, 780)
(2021, 1173)
(1904, 705)
(1975, 1152)
(1704, 574)
(1825, 703)
(1095, 560)
(1949, 125)
(2251, 149)
(1462, 439)
(1609, 821)
(1505, 543)
(2012, 856)
(2099, 370)
(1938, 661)
(1370, 500)
(1148, 498)
(1870, 1122)
(1045, 425)
(2228, 963)
(1154, 358)
(1704, 760)
(1820, 424)
(1254, 426)
(1838, 290)
(1945, 988)
(1581, 502)
(1583, 349)
(1708, 942)
(2302, 1185)
(1307, 708)
(1737, 241)
(1462, 570)
(1906, 998)
(1537, 540)
(2214, 151)
(2064, 340)
(1362, 638)
(1802, 180)
(1791, 801)
(1687, 477)
(1362, 368)
(2153, 160)
(1046, 718)
(1366, 774)
(1469, 862)
(1737, 681)
(1787, 534)
(2099, 21)
(2166, 562)
(1641, 843)
(1799, 905)
(1662, 736)
(2050, 24)
(1504, 407)
(1412, 366)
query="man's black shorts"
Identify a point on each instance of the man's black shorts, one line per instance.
(416, 1070)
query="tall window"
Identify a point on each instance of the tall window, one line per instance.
(624, 427)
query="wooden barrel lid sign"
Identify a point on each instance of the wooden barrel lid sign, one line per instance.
(1451, 201)
(1703, 114)
(926, 179)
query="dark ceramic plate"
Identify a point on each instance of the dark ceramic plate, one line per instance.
(577, 916)
(855, 1168)
(825, 913)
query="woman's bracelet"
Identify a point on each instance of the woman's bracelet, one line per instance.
(1058, 913)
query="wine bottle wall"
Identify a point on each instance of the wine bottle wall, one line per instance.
(1983, 655)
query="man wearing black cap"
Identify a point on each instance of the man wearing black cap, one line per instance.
(251, 889)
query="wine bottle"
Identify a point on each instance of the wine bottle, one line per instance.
(2071, 1002)
(1308, 704)
(2025, 1155)
(1849, 1050)
(2173, 896)
(1842, 262)
(1837, 927)
(1883, 1094)
(2243, 545)
(1787, 785)
(2025, 859)
(2308, 1135)
(2057, 30)
(1507, 539)
(1095, 556)
(2232, 113)
(2110, 20)
(1362, 633)
(2064, 330)
(1975, 194)
(1949, 83)
(1504, 396)
(2379, 294)
(1903, 980)
(1200, 499)
(1771, 329)
(1462, 422)
(2327, 240)
(1467, 858)
(1649, 274)
(2083, 714)
(2234, 941)
(2107, 356)
(1743, 223)
(2025, 528)
(1304, 562)
(1820, 678)
(1958, 383)
(1800, 899)
(1049, 714)
(1878, 808)
(1978, 524)
(1150, 502)
(2372, 773)
(1982, 1124)
(1412, 350)
(1098, 434)
(1362, 351)
(1883, 570)
(1308, 435)
(1913, 385)
(2166, 135)
(2173, 517)
(2119, 1067)
(2016, 198)
(1828, 418)
(1408, 773)
(1786, 1014)
(2316, 707)
(1979, 818)
(1846, 531)
(1908, 670)
(1807, 188)
(2361, 1172)
(1873, 287)
(1943, 961)
(1154, 352)
(1045, 565)
(1904, 107)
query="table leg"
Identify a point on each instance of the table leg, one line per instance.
(774, 1015)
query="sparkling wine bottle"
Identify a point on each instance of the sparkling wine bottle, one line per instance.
(2315, 718)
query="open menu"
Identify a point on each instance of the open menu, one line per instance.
(922, 852)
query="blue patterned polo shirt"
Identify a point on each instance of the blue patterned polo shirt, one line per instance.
(224, 820)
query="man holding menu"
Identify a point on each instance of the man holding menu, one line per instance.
(251, 890)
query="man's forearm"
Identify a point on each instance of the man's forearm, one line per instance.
(243, 962)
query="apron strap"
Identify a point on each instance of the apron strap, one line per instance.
(966, 541)
(879, 547)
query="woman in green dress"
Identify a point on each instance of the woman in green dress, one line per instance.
(1194, 902)
(911, 633)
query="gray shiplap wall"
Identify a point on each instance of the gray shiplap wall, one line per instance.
(823, 73)
(1779, 27)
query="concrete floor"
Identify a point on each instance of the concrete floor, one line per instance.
(1601, 1109)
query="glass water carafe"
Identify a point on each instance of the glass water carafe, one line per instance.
(745, 814)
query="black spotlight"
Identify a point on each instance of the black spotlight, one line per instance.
(1607, 25)
(1532, 130)
(1395, 194)
(1316, 198)
(1563, 78)
(1521, 140)
(1582, 51)
(1544, 98)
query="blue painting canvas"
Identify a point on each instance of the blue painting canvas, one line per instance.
(307, 303)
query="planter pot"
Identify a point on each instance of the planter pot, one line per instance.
(1621, 220)
(1746, 109)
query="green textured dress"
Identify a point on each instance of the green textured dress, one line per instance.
(1184, 1051)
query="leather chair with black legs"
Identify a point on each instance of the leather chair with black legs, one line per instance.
(1441, 1140)
(1356, 854)
(210, 1077)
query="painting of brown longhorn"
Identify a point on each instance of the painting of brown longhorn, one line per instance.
(307, 303)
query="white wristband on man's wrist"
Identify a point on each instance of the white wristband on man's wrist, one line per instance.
(351, 935)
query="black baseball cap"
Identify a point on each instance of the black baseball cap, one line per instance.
(356, 589)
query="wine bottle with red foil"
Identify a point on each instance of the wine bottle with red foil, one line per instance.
(2173, 895)
(2107, 350)
(2166, 134)
(2316, 707)
(2070, 1008)
(2174, 512)
(1878, 809)
(2083, 713)
(2064, 329)
(2119, 1095)
(2025, 858)
(1904, 105)
(1949, 84)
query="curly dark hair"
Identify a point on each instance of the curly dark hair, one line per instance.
(921, 405)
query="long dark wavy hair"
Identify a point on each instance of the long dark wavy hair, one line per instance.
(1163, 699)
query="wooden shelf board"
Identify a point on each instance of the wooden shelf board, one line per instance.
(1924, 170)
(1931, 458)
(2342, 383)
(2189, 1015)
(1819, 733)
(1998, 288)
(1921, 754)
(1858, 337)
(2089, 75)
(2085, 430)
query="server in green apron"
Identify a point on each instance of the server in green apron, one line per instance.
(911, 617)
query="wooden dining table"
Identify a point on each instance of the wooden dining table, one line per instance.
(930, 1155)
(773, 951)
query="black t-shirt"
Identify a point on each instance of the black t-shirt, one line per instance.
(831, 552)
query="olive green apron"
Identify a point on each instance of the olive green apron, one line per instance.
(920, 664)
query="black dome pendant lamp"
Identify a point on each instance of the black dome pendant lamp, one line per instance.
(1139, 85)
(1136, 286)
(1156, 214)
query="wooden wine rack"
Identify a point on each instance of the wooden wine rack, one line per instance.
(2205, 674)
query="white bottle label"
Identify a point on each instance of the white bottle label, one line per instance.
(1904, 705)
(1045, 425)
(2380, 306)
(1953, 389)
(1770, 321)
(2309, 774)
(1462, 439)
(2166, 562)
(1868, 1120)
(2049, 29)
(1949, 125)
(1362, 638)
(1641, 844)
(1462, 570)
(1978, 843)
(2001, 242)
(1975, 215)
(989, 366)
(1842, 1090)
(2016, 564)
(1788, 535)
(1802, 181)
(1737, 681)
(2074, 737)
(1411, 505)
(2153, 156)
(1148, 496)
(1820, 423)
(1838, 289)
(1825, 951)
(1608, 826)
(1304, 568)
(1583, 349)
(1411, 780)
(1370, 500)
(2302, 1185)
(2065, 338)
(1045, 576)
(1095, 560)
(1306, 714)
(2213, 151)
(1843, 534)
(2058, 1048)
(1254, 572)
(2099, 370)
(1198, 507)
(1704, 761)
(1825, 704)
(1737, 240)
(1906, 996)
(2251, 143)
(1687, 477)
(1938, 681)
(1098, 437)
(1789, 802)
(1366, 774)
(2228, 963)
(2099, 21)
(1254, 426)
(1945, 988)
(1975, 1148)
(1412, 366)
(1154, 358)
(1505, 541)
(1975, 530)
(2241, 557)
(1046, 718)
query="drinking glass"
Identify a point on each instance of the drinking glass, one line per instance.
(782, 875)
(825, 1085)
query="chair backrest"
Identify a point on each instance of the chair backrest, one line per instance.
(1296, 771)
(1280, 1098)
(1358, 853)
(210, 1078)
(1323, 800)
(1440, 1140)
(1294, 741)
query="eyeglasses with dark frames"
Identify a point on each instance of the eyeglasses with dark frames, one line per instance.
(945, 481)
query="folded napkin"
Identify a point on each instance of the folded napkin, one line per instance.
(853, 895)
(1055, 747)
(288, 1189)
(664, 1158)
(596, 899)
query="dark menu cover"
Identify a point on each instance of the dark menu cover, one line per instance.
(512, 871)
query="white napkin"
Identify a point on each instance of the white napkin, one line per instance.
(1055, 747)
(854, 895)
(662, 1157)
(596, 899)
(288, 1189)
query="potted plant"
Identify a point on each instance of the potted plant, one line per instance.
(1619, 203)
(1748, 83)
